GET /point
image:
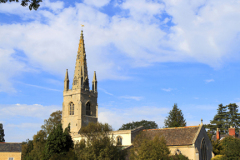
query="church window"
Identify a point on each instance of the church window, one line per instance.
(10, 158)
(204, 150)
(71, 109)
(119, 140)
(88, 109)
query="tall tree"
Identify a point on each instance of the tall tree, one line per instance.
(58, 142)
(233, 117)
(2, 133)
(99, 144)
(33, 4)
(27, 147)
(146, 124)
(53, 121)
(219, 120)
(175, 118)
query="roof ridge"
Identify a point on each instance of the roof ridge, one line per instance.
(171, 128)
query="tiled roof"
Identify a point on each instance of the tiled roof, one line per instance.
(176, 136)
(10, 147)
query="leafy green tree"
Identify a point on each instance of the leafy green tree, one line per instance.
(146, 124)
(233, 117)
(33, 4)
(52, 121)
(175, 118)
(27, 147)
(58, 142)
(231, 147)
(2, 133)
(144, 147)
(99, 144)
(39, 142)
(219, 120)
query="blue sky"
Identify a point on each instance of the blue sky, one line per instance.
(147, 54)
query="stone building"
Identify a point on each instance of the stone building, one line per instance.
(10, 151)
(80, 107)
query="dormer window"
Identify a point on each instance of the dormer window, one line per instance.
(71, 108)
(88, 109)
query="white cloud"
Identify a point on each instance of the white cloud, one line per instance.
(209, 80)
(167, 89)
(97, 3)
(200, 31)
(106, 92)
(35, 110)
(131, 98)
(118, 117)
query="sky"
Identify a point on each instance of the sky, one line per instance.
(148, 55)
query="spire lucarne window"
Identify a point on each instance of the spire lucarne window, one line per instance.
(204, 150)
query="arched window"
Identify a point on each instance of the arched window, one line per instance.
(71, 109)
(204, 150)
(119, 140)
(88, 109)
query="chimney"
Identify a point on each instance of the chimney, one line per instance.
(231, 131)
(218, 134)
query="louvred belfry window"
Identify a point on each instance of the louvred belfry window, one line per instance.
(71, 109)
(88, 110)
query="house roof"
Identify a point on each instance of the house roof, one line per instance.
(177, 136)
(10, 147)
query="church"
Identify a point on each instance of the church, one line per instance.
(80, 107)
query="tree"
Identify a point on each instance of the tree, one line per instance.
(53, 121)
(27, 147)
(144, 147)
(34, 4)
(233, 117)
(219, 120)
(175, 118)
(231, 147)
(2, 133)
(146, 124)
(99, 144)
(58, 142)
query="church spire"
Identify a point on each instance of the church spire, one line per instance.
(81, 66)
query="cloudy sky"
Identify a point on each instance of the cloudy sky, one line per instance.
(148, 55)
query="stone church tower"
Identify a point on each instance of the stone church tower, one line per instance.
(79, 103)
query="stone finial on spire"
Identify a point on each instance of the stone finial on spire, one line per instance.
(94, 82)
(66, 81)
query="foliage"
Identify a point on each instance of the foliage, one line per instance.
(233, 117)
(146, 124)
(219, 157)
(226, 116)
(217, 147)
(98, 143)
(231, 147)
(146, 148)
(52, 121)
(34, 4)
(175, 118)
(178, 157)
(27, 147)
(219, 120)
(58, 142)
(2, 133)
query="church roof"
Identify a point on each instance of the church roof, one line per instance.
(177, 136)
(10, 147)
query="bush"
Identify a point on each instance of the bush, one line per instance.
(219, 157)
(178, 157)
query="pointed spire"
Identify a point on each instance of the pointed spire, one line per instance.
(94, 82)
(94, 76)
(66, 75)
(81, 65)
(66, 81)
